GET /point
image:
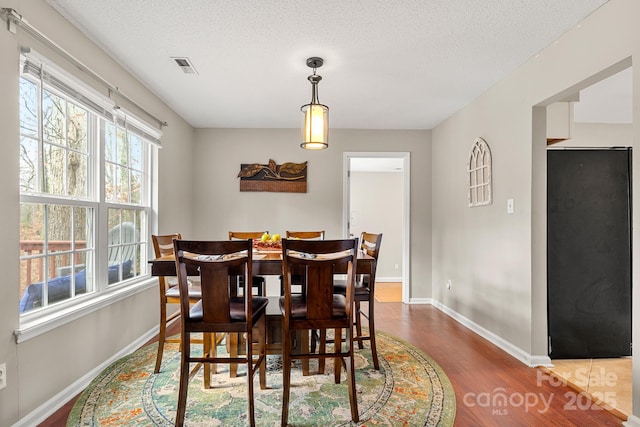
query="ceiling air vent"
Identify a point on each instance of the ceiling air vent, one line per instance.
(185, 65)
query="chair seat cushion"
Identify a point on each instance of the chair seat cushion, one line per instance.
(236, 309)
(195, 292)
(340, 287)
(299, 306)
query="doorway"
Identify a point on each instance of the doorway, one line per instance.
(376, 198)
(602, 120)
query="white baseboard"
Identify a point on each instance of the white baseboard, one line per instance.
(389, 279)
(45, 410)
(632, 421)
(517, 352)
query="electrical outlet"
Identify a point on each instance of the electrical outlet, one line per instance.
(449, 284)
(3, 376)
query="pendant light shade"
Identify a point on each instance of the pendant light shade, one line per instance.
(315, 126)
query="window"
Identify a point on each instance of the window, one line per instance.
(479, 169)
(85, 196)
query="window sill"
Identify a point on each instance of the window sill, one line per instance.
(31, 328)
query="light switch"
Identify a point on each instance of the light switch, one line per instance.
(510, 206)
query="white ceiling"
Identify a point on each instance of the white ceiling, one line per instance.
(389, 64)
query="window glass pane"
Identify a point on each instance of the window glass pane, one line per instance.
(137, 269)
(122, 147)
(85, 267)
(123, 184)
(136, 151)
(136, 187)
(77, 174)
(32, 262)
(31, 271)
(110, 145)
(59, 228)
(28, 164)
(82, 226)
(114, 220)
(28, 108)
(54, 161)
(31, 228)
(53, 118)
(110, 182)
(77, 128)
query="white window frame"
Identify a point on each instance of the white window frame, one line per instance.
(47, 318)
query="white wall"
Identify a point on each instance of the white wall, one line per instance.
(220, 206)
(497, 261)
(377, 199)
(42, 367)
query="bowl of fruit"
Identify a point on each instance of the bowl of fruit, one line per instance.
(268, 243)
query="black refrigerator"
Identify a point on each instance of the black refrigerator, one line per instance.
(589, 252)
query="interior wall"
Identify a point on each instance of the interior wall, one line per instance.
(44, 366)
(496, 259)
(380, 211)
(221, 206)
(599, 135)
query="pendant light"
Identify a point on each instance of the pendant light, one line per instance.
(315, 128)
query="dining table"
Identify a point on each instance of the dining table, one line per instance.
(265, 263)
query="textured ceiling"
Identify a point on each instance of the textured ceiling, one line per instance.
(389, 64)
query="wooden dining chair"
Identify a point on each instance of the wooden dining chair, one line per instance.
(257, 282)
(306, 235)
(364, 292)
(219, 311)
(169, 294)
(318, 308)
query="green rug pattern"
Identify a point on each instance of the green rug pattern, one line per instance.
(409, 390)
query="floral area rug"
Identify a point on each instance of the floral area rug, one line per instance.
(410, 389)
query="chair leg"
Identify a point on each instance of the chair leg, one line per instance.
(214, 352)
(372, 337)
(250, 371)
(358, 324)
(337, 360)
(206, 341)
(262, 348)
(232, 348)
(162, 336)
(286, 377)
(184, 381)
(304, 348)
(322, 349)
(351, 379)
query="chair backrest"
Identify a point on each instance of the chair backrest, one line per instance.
(217, 262)
(306, 235)
(370, 244)
(243, 235)
(163, 244)
(321, 260)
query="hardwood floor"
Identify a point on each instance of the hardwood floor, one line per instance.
(606, 380)
(388, 292)
(492, 388)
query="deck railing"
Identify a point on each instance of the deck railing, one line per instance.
(32, 267)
